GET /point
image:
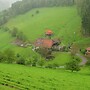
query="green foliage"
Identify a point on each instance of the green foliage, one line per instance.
(73, 66)
(14, 32)
(74, 50)
(83, 51)
(21, 7)
(21, 36)
(34, 60)
(77, 59)
(84, 10)
(9, 56)
(37, 12)
(41, 62)
(45, 52)
(21, 60)
(88, 62)
(54, 65)
(28, 62)
(61, 24)
(2, 57)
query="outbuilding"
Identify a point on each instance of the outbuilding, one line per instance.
(88, 51)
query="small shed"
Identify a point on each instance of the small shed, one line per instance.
(49, 32)
(88, 51)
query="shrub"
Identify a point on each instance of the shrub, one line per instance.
(76, 58)
(28, 62)
(14, 32)
(41, 62)
(9, 56)
(73, 66)
(88, 63)
(74, 50)
(1, 57)
(37, 11)
(46, 53)
(55, 65)
(32, 15)
(20, 60)
(83, 51)
(49, 66)
(5, 29)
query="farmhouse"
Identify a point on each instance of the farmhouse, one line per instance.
(46, 43)
(88, 51)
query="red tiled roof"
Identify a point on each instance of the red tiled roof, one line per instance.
(46, 43)
(88, 48)
(49, 32)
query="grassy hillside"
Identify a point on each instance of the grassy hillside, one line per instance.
(64, 21)
(5, 40)
(30, 78)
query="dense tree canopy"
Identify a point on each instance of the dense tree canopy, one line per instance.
(84, 11)
(21, 7)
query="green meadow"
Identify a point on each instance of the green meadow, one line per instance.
(66, 25)
(63, 21)
(18, 77)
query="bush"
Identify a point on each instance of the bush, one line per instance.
(54, 65)
(49, 66)
(20, 60)
(73, 66)
(41, 62)
(1, 57)
(14, 32)
(28, 62)
(37, 11)
(21, 36)
(88, 63)
(76, 58)
(9, 56)
(83, 51)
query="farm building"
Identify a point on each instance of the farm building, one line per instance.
(49, 32)
(88, 51)
(46, 43)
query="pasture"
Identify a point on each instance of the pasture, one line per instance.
(63, 21)
(18, 77)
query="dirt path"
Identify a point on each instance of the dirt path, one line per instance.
(84, 59)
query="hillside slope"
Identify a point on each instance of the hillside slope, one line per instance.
(64, 21)
(30, 78)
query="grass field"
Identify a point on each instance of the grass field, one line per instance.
(30, 78)
(5, 40)
(63, 21)
(60, 58)
(66, 25)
